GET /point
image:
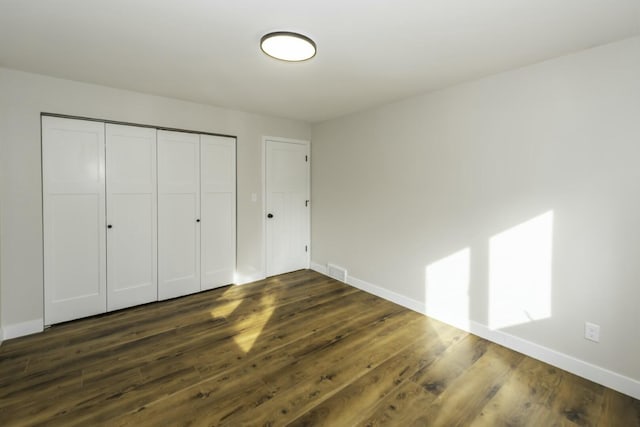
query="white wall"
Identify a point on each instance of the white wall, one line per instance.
(24, 96)
(399, 188)
(1, 202)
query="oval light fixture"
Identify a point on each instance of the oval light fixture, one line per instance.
(288, 46)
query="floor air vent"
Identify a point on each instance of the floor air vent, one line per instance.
(337, 272)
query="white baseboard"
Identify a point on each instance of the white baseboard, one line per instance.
(322, 269)
(597, 374)
(21, 329)
(381, 292)
(395, 297)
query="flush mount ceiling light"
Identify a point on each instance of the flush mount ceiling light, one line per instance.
(288, 46)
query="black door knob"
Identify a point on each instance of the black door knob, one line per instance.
(198, 220)
(269, 215)
(109, 226)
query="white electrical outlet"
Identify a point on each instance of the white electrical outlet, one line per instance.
(592, 331)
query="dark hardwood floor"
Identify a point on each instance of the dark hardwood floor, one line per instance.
(298, 349)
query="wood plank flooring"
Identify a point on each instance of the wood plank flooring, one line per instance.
(298, 349)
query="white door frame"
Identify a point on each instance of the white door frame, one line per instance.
(307, 143)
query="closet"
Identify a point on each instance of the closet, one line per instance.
(133, 214)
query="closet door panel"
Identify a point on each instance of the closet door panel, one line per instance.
(218, 160)
(131, 216)
(178, 213)
(73, 218)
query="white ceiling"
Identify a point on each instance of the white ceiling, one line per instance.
(369, 51)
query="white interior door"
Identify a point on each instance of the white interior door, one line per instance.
(178, 213)
(74, 218)
(131, 216)
(287, 206)
(218, 210)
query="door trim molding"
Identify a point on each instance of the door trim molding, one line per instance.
(21, 329)
(307, 143)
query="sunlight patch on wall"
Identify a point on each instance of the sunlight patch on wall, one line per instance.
(520, 273)
(447, 289)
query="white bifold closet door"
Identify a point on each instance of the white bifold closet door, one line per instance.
(178, 213)
(74, 218)
(196, 212)
(131, 216)
(99, 210)
(218, 210)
